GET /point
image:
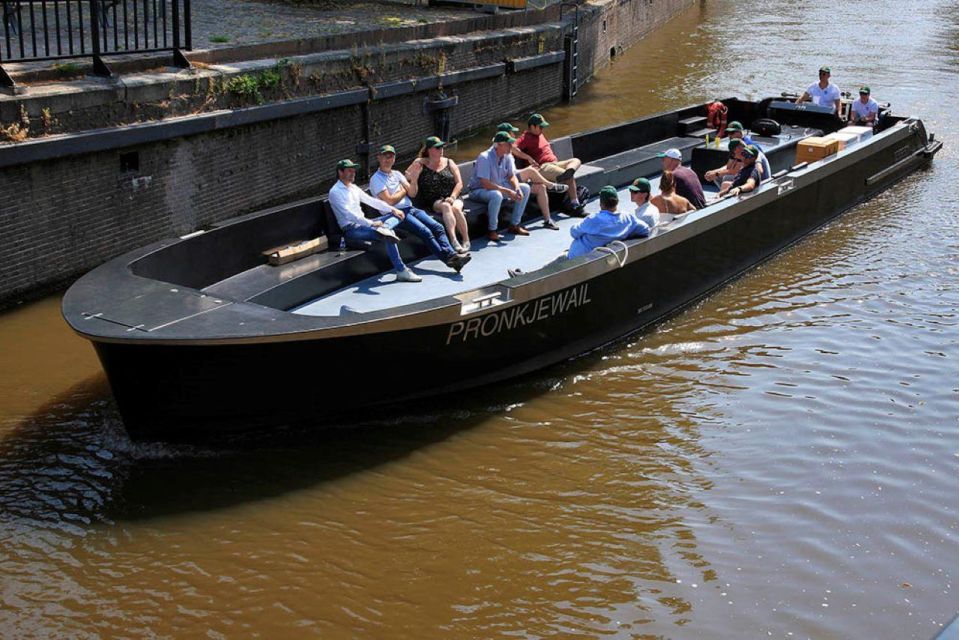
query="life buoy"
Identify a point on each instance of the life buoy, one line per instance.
(716, 117)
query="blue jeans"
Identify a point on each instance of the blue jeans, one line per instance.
(428, 230)
(494, 200)
(357, 233)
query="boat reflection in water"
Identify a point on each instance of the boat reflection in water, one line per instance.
(199, 337)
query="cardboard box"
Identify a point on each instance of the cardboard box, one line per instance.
(844, 139)
(862, 133)
(815, 148)
(290, 252)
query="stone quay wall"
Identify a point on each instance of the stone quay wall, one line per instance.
(76, 200)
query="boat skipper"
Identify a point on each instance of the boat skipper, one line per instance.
(599, 229)
(823, 93)
(345, 198)
(392, 187)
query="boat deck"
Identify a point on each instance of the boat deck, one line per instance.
(489, 265)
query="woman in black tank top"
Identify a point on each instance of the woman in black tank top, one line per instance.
(435, 186)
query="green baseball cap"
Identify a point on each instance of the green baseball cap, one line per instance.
(735, 125)
(538, 120)
(825, 70)
(503, 136)
(735, 142)
(641, 185)
(387, 148)
(751, 151)
(608, 194)
(434, 142)
(507, 127)
(864, 89)
(347, 164)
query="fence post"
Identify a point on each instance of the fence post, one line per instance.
(187, 25)
(99, 66)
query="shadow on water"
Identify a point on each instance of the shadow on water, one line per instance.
(72, 462)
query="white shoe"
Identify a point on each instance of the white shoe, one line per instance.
(407, 276)
(557, 187)
(388, 234)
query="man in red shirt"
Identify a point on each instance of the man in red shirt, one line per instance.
(534, 148)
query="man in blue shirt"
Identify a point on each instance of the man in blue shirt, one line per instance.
(599, 229)
(391, 186)
(494, 179)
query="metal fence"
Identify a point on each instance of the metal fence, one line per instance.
(54, 29)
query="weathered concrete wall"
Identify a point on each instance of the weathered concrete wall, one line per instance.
(62, 216)
(617, 25)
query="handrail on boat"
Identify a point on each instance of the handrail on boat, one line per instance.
(608, 249)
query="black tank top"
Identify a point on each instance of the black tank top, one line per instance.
(433, 186)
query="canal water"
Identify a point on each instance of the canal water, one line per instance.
(778, 460)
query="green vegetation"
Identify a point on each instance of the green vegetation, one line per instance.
(252, 85)
(66, 69)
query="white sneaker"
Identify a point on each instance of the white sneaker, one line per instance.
(388, 234)
(557, 187)
(407, 276)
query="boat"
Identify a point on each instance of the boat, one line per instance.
(201, 337)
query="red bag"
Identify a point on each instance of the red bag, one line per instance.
(716, 117)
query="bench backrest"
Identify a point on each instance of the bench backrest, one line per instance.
(466, 172)
(562, 147)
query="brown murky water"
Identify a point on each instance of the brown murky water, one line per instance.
(777, 461)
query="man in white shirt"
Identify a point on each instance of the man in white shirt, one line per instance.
(345, 199)
(823, 93)
(639, 192)
(865, 110)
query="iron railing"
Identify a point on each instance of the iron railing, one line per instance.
(57, 29)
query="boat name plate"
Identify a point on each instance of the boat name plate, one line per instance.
(519, 315)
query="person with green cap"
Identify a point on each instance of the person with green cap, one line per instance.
(534, 148)
(435, 187)
(540, 187)
(737, 132)
(599, 229)
(494, 180)
(345, 199)
(730, 169)
(865, 110)
(639, 192)
(824, 93)
(393, 188)
(749, 177)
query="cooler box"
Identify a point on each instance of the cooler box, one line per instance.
(862, 133)
(815, 148)
(844, 139)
